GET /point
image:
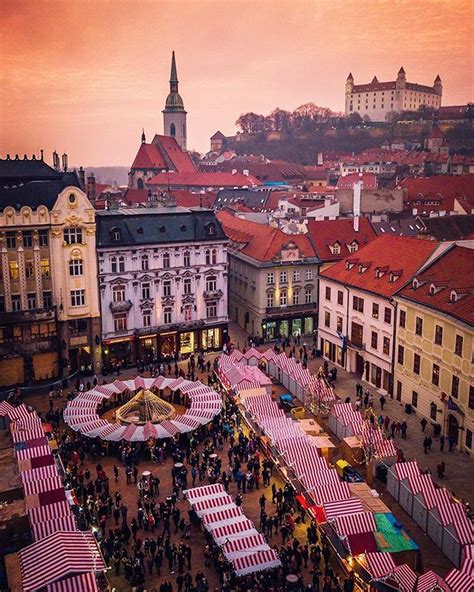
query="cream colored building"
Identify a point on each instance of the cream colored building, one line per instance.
(434, 370)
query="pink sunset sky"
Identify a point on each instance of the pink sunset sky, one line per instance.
(85, 77)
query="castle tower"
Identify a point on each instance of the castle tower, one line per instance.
(174, 115)
(401, 81)
(349, 83)
(438, 86)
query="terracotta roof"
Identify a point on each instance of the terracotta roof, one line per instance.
(402, 255)
(368, 179)
(444, 186)
(259, 241)
(187, 199)
(135, 196)
(155, 155)
(197, 179)
(149, 157)
(452, 112)
(324, 233)
(183, 163)
(454, 270)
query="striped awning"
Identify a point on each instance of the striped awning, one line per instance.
(43, 529)
(406, 469)
(430, 581)
(79, 583)
(49, 512)
(39, 473)
(355, 523)
(41, 485)
(460, 581)
(330, 493)
(57, 556)
(379, 564)
(26, 453)
(239, 529)
(244, 546)
(405, 577)
(221, 518)
(345, 507)
(255, 562)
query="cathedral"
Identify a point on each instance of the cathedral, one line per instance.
(174, 115)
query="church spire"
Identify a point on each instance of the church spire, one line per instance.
(174, 75)
(143, 136)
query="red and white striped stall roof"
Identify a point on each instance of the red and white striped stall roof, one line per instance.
(15, 412)
(244, 546)
(129, 431)
(405, 577)
(236, 530)
(379, 564)
(43, 529)
(269, 354)
(81, 583)
(49, 484)
(256, 562)
(355, 523)
(353, 505)
(330, 493)
(252, 353)
(27, 453)
(58, 556)
(188, 422)
(406, 469)
(216, 519)
(460, 581)
(214, 504)
(170, 427)
(468, 551)
(430, 581)
(435, 497)
(463, 527)
(149, 430)
(110, 430)
(39, 473)
(49, 512)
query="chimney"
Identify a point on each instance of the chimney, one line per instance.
(82, 178)
(246, 172)
(356, 206)
(55, 161)
(64, 160)
(91, 188)
(319, 161)
(234, 171)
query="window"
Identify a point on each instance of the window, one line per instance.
(340, 297)
(455, 387)
(357, 332)
(27, 239)
(358, 304)
(47, 299)
(121, 263)
(339, 324)
(283, 277)
(146, 319)
(270, 299)
(416, 363)
(296, 275)
(435, 375)
(167, 288)
(283, 298)
(213, 256)
(309, 274)
(353, 247)
(375, 310)
(328, 293)
(73, 236)
(327, 319)
(211, 310)
(11, 240)
(211, 283)
(166, 261)
(144, 262)
(29, 270)
(211, 229)
(373, 340)
(386, 346)
(187, 286)
(296, 297)
(438, 335)
(77, 325)
(468, 439)
(43, 238)
(308, 295)
(336, 249)
(118, 293)
(471, 396)
(403, 318)
(42, 330)
(187, 259)
(401, 354)
(115, 234)
(458, 345)
(78, 297)
(419, 326)
(167, 315)
(433, 411)
(113, 264)
(76, 267)
(387, 316)
(45, 270)
(120, 322)
(16, 302)
(270, 278)
(14, 270)
(8, 334)
(146, 292)
(208, 257)
(31, 299)
(414, 398)
(188, 313)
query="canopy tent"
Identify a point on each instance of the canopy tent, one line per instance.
(255, 562)
(241, 547)
(379, 564)
(460, 581)
(80, 583)
(341, 508)
(43, 529)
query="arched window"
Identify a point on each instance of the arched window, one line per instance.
(214, 256)
(140, 184)
(173, 130)
(115, 234)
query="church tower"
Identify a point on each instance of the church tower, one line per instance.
(174, 115)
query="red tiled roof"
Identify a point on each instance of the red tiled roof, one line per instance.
(183, 163)
(454, 270)
(135, 196)
(324, 233)
(374, 86)
(368, 179)
(187, 199)
(452, 112)
(197, 179)
(261, 242)
(149, 157)
(153, 156)
(402, 255)
(444, 186)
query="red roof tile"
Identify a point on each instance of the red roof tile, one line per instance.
(181, 159)
(402, 255)
(368, 179)
(163, 153)
(135, 196)
(187, 199)
(454, 270)
(149, 157)
(197, 179)
(444, 185)
(324, 233)
(259, 241)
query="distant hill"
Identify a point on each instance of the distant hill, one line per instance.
(109, 174)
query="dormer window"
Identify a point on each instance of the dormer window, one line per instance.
(394, 275)
(453, 297)
(211, 229)
(335, 248)
(353, 246)
(416, 284)
(350, 263)
(380, 272)
(432, 289)
(115, 234)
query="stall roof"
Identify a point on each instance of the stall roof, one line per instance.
(389, 538)
(369, 501)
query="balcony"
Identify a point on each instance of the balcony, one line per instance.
(213, 294)
(356, 344)
(122, 306)
(29, 316)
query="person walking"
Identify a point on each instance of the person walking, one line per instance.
(440, 468)
(441, 443)
(423, 424)
(404, 428)
(425, 444)
(382, 402)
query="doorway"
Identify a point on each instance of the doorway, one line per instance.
(359, 365)
(453, 428)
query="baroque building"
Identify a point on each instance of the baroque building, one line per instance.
(163, 283)
(49, 309)
(376, 99)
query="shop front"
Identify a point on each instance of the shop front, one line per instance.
(300, 326)
(119, 352)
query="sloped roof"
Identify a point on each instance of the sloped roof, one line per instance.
(24, 169)
(369, 181)
(149, 157)
(181, 159)
(401, 255)
(446, 228)
(163, 153)
(454, 270)
(324, 233)
(259, 241)
(445, 185)
(197, 179)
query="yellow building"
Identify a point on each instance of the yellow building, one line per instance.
(434, 344)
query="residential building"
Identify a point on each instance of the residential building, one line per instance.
(217, 141)
(376, 100)
(163, 283)
(441, 194)
(356, 308)
(272, 279)
(434, 362)
(49, 309)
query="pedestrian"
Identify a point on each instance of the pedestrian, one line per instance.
(404, 428)
(440, 468)
(425, 444)
(382, 402)
(423, 424)
(451, 443)
(441, 443)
